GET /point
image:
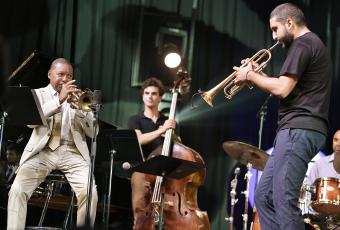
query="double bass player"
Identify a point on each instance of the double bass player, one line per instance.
(149, 125)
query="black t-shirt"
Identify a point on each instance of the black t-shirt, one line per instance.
(146, 125)
(307, 105)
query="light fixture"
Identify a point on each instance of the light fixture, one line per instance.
(171, 55)
(171, 43)
(172, 60)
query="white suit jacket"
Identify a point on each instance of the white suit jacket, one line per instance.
(81, 125)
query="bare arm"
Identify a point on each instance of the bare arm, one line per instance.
(280, 87)
(145, 138)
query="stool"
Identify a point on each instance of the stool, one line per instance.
(54, 180)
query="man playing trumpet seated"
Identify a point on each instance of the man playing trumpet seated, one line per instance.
(59, 145)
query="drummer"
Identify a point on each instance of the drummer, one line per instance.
(328, 166)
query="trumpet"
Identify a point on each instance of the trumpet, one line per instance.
(82, 101)
(228, 85)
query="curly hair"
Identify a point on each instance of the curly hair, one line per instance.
(153, 82)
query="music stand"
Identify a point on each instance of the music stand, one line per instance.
(168, 167)
(124, 142)
(22, 107)
(124, 148)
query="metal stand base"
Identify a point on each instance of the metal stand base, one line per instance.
(50, 187)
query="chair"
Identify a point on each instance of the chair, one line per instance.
(53, 182)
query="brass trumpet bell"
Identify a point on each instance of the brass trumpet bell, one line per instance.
(83, 101)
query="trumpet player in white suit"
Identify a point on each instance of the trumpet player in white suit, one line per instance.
(61, 145)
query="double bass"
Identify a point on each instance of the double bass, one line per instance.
(171, 204)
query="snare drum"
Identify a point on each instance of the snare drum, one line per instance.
(326, 199)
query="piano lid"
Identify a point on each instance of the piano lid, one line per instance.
(32, 71)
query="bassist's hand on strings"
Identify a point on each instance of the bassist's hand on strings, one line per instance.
(168, 124)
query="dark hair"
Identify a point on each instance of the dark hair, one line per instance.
(14, 147)
(288, 10)
(152, 82)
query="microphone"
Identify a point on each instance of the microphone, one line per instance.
(237, 171)
(97, 97)
(127, 165)
(96, 106)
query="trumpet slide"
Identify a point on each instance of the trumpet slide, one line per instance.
(229, 87)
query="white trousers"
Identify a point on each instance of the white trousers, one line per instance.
(35, 170)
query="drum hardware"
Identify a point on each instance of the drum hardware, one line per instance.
(333, 222)
(326, 198)
(250, 156)
(246, 153)
(247, 177)
(304, 198)
(233, 185)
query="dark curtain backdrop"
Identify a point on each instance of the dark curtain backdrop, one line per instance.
(100, 38)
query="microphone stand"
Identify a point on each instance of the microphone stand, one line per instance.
(2, 126)
(108, 199)
(261, 114)
(95, 108)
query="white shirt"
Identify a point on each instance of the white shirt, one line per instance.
(65, 121)
(323, 168)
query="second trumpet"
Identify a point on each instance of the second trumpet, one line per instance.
(262, 57)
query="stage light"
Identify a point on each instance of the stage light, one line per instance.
(171, 43)
(171, 55)
(156, 29)
(172, 60)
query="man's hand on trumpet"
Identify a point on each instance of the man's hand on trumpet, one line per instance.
(67, 89)
(243, 71)
(73, 99)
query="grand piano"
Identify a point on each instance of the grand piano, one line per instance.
(32, 72)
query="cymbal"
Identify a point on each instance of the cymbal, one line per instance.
(245, 153)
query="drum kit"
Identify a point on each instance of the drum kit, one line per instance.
(319, 202)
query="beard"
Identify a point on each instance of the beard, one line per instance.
(287, 40)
